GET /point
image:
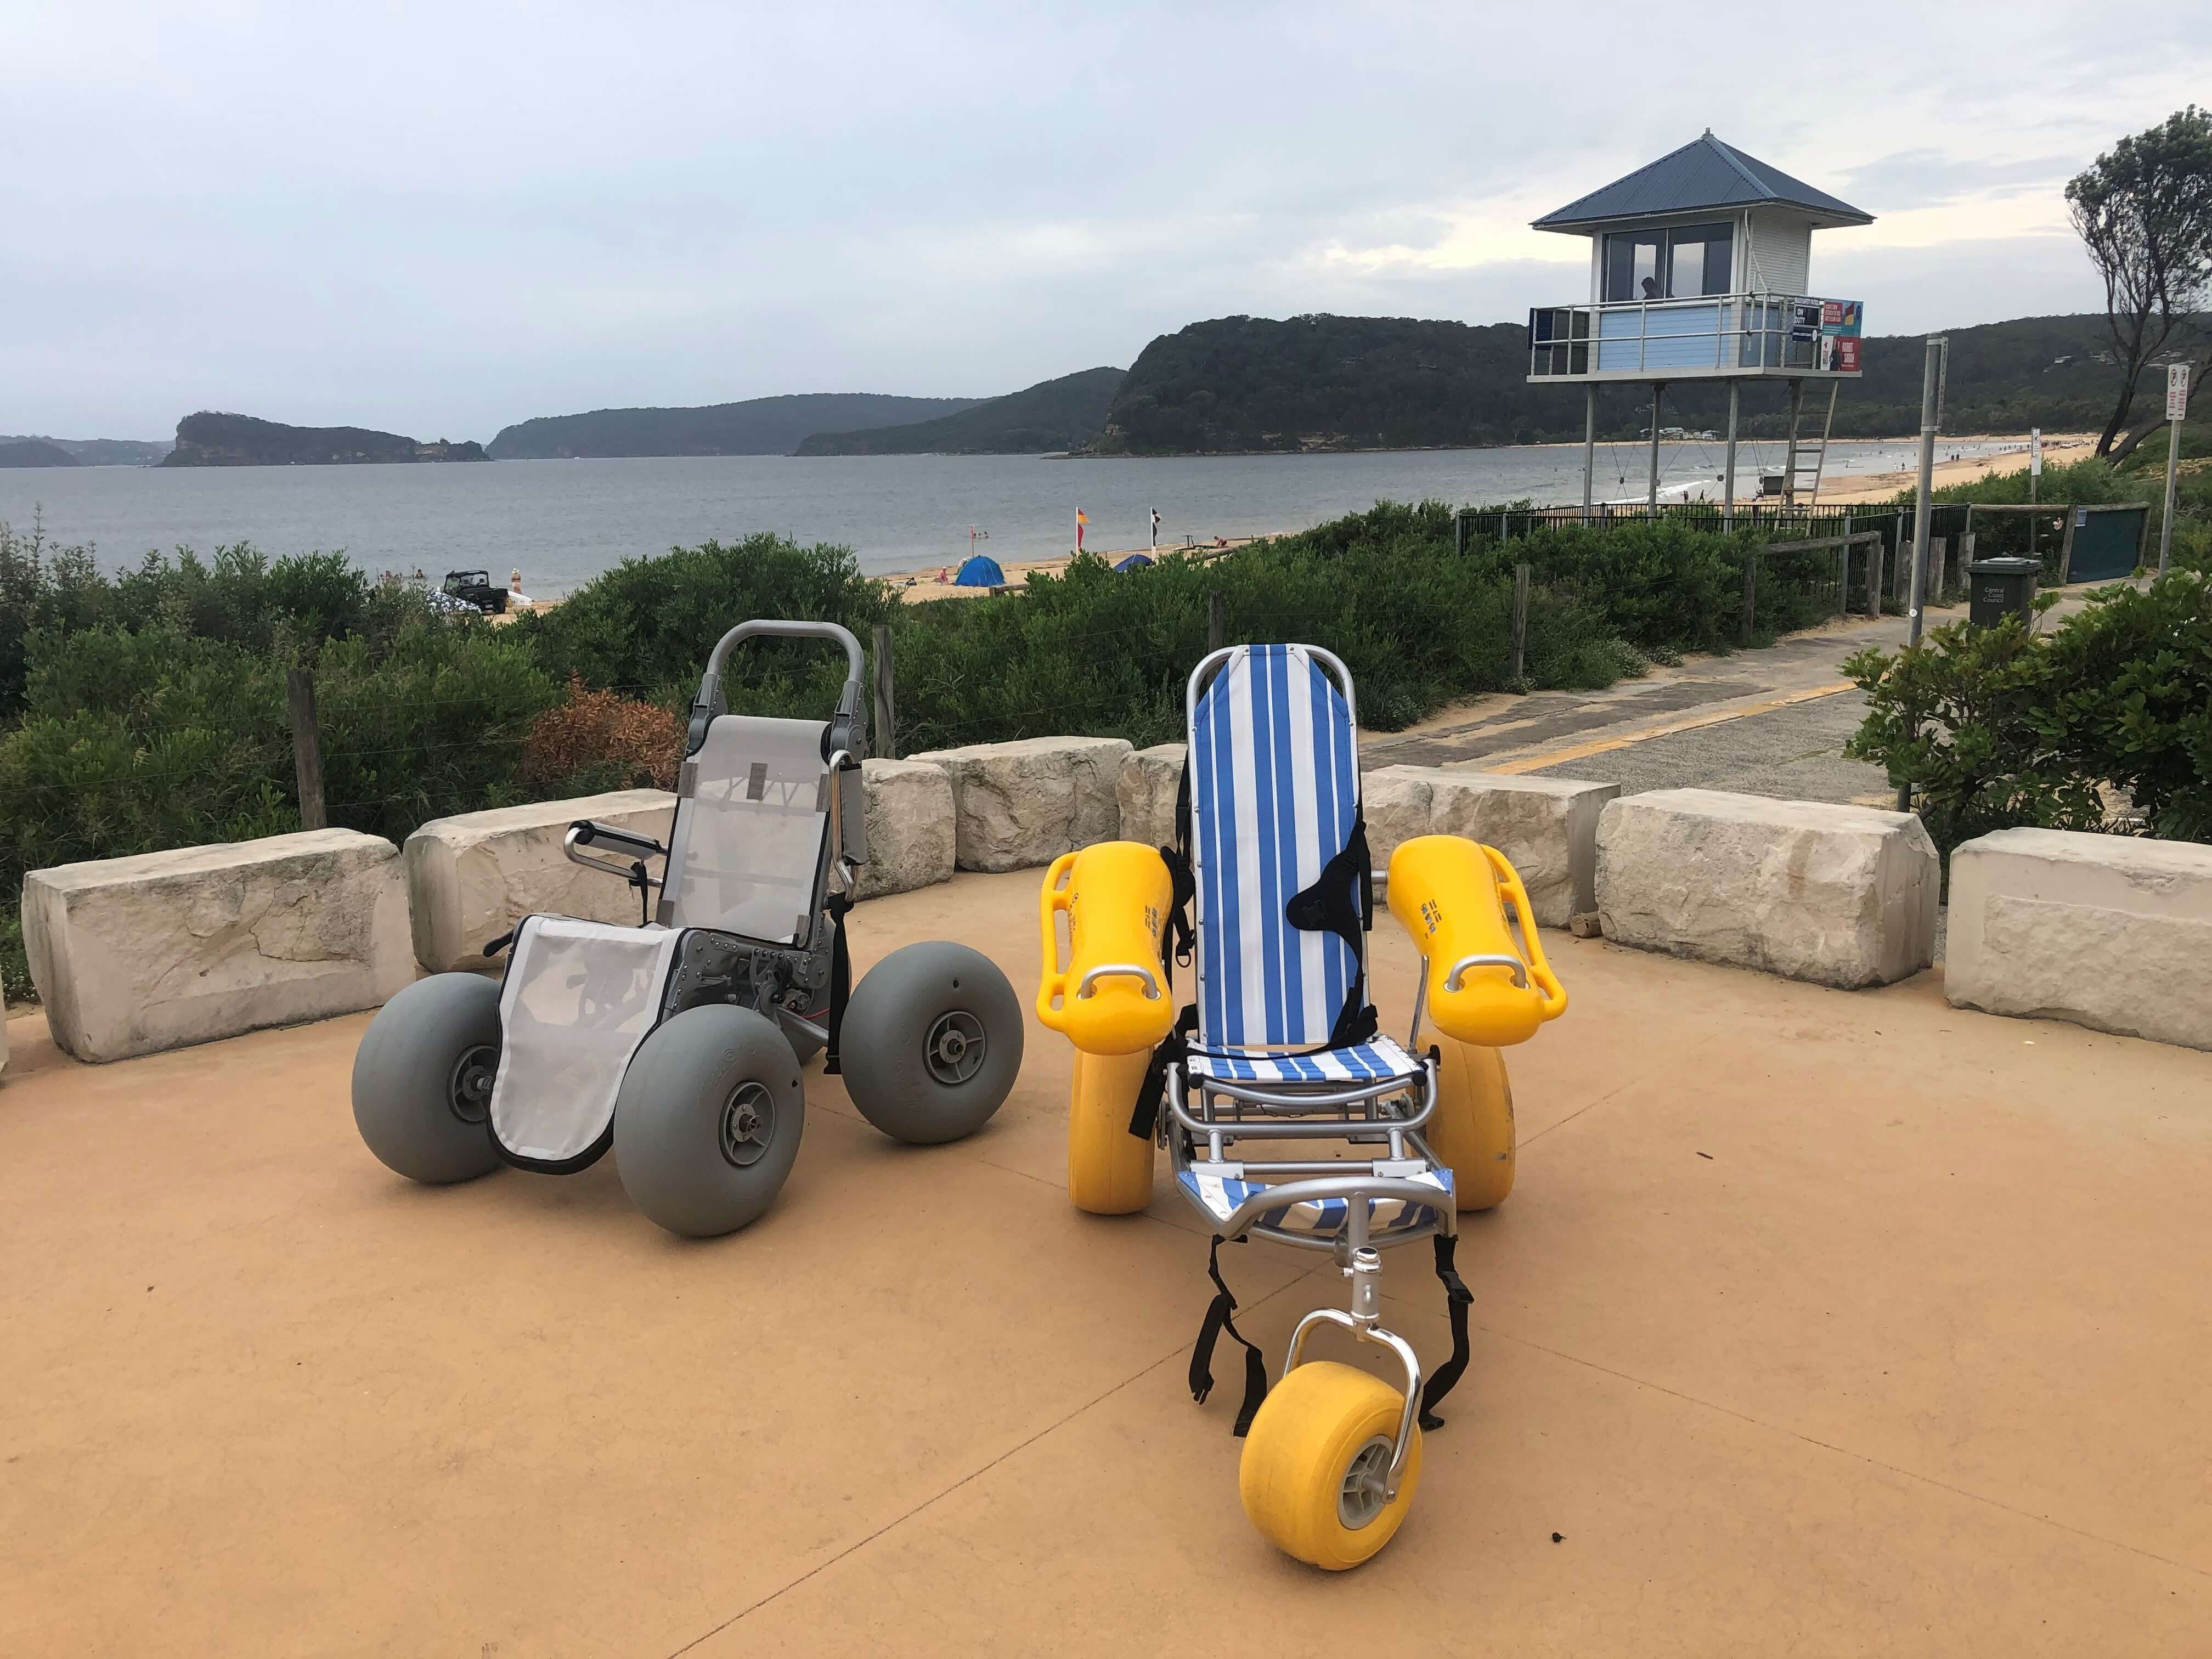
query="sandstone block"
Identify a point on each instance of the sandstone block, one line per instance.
(1546, 827)
(1019, 804)
(472, 877)
(1841, 895)
(2113, 932)
(1146, 791)
(910, 827)
(134, 956)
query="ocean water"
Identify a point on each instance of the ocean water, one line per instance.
(562, 522)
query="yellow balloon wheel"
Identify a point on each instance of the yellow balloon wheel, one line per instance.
(1316, 1461)
(1471, 1132)
(1109, 1170)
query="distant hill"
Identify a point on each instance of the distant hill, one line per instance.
(759, 426)
(1052, 414)
(1251, 384)
(211, 440)
(97, 451)
(34, 452)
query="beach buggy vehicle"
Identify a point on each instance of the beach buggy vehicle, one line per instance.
(1279, 1045)
(678, 1042)
(477, 588)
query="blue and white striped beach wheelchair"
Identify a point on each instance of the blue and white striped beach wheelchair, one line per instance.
(1279, 1045)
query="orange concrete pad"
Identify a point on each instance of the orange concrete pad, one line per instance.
(1684, 1530)
(1911, 1361)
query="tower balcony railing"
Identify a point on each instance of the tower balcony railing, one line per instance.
(1717, 334)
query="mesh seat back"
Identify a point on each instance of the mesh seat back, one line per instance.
(748, 853)
(579, 997)
(1273, 793)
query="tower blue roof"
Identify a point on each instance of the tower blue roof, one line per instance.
(1704, 173)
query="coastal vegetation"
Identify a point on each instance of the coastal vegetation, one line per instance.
(34, 452)
(208, 438)
(97, 451)
(1060, 414)
(758, 426)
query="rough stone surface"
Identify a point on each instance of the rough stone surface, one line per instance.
(1546, 827)
(1841, 895)
(2113, 932)
(910, 838)
(472, 877)
(1022, 804)
(1146, 790)
(137, 955)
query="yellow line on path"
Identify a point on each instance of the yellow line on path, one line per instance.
(1544, 757)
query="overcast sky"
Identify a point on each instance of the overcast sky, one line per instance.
(438, 219)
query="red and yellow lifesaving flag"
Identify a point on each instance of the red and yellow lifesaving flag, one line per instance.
(1081, 519)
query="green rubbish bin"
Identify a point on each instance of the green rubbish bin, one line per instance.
(2001, 587)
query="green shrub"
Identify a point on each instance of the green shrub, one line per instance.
(1997, 727)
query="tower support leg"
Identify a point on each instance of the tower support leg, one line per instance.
(1728, 479)
(1589, 448)
(1652, 493)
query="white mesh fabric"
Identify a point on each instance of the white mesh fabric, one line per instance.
(579, 997)
(748, 835)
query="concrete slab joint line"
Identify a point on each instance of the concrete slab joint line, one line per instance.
(1841, 896)
(2112, 932)
(133, 955)
(1022, 804)
(1546, 827)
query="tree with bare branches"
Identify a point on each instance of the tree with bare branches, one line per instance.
(2144, 211)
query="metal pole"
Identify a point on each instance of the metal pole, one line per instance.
(1589, 447)
(1929, 372)
(1727, 484)
(307, 749)
(1651, 496)
(2177, 405)
(886, 743)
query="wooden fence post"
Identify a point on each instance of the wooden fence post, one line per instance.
(1750, 589)
(1520, 621)
(1874, 576)
(1459, 530)
(307, 749)
(886, 743)
(1217, 623)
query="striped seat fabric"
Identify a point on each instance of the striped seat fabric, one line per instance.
(1273, 793)
(1372, 1061)
(1219, 1195)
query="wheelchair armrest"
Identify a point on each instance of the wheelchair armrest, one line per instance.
(1110, 999)
(1456, 898)
(584, 833)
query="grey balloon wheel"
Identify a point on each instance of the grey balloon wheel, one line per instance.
(708, 1120)
(932, 1042)
(423, 1077)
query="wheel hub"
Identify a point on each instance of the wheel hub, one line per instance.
(748, 1124)
(469, 1090)
(955, 1046)
(1366, 1489)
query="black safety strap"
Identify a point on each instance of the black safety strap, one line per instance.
(1182, 884)
(1336, 903)
(1174, 1048)
(841, 978)
(1219, 1319)
(1457, 1294)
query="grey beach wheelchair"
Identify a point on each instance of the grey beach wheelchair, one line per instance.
(678, 1043)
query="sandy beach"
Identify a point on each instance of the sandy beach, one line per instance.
(2062, 449)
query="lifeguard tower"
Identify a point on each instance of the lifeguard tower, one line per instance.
(1699, 267)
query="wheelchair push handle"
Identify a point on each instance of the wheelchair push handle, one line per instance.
(584, 833)
(848, 727)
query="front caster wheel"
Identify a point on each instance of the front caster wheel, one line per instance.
(709, 1120)
(1316, 1462)
(930, 1043)
(423, 1077)
(1471, 1132)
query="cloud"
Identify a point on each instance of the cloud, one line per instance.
(441, 218)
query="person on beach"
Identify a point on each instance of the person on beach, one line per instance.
(1156, 530)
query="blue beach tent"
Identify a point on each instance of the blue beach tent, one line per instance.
(980, 571)
(1135, 561)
